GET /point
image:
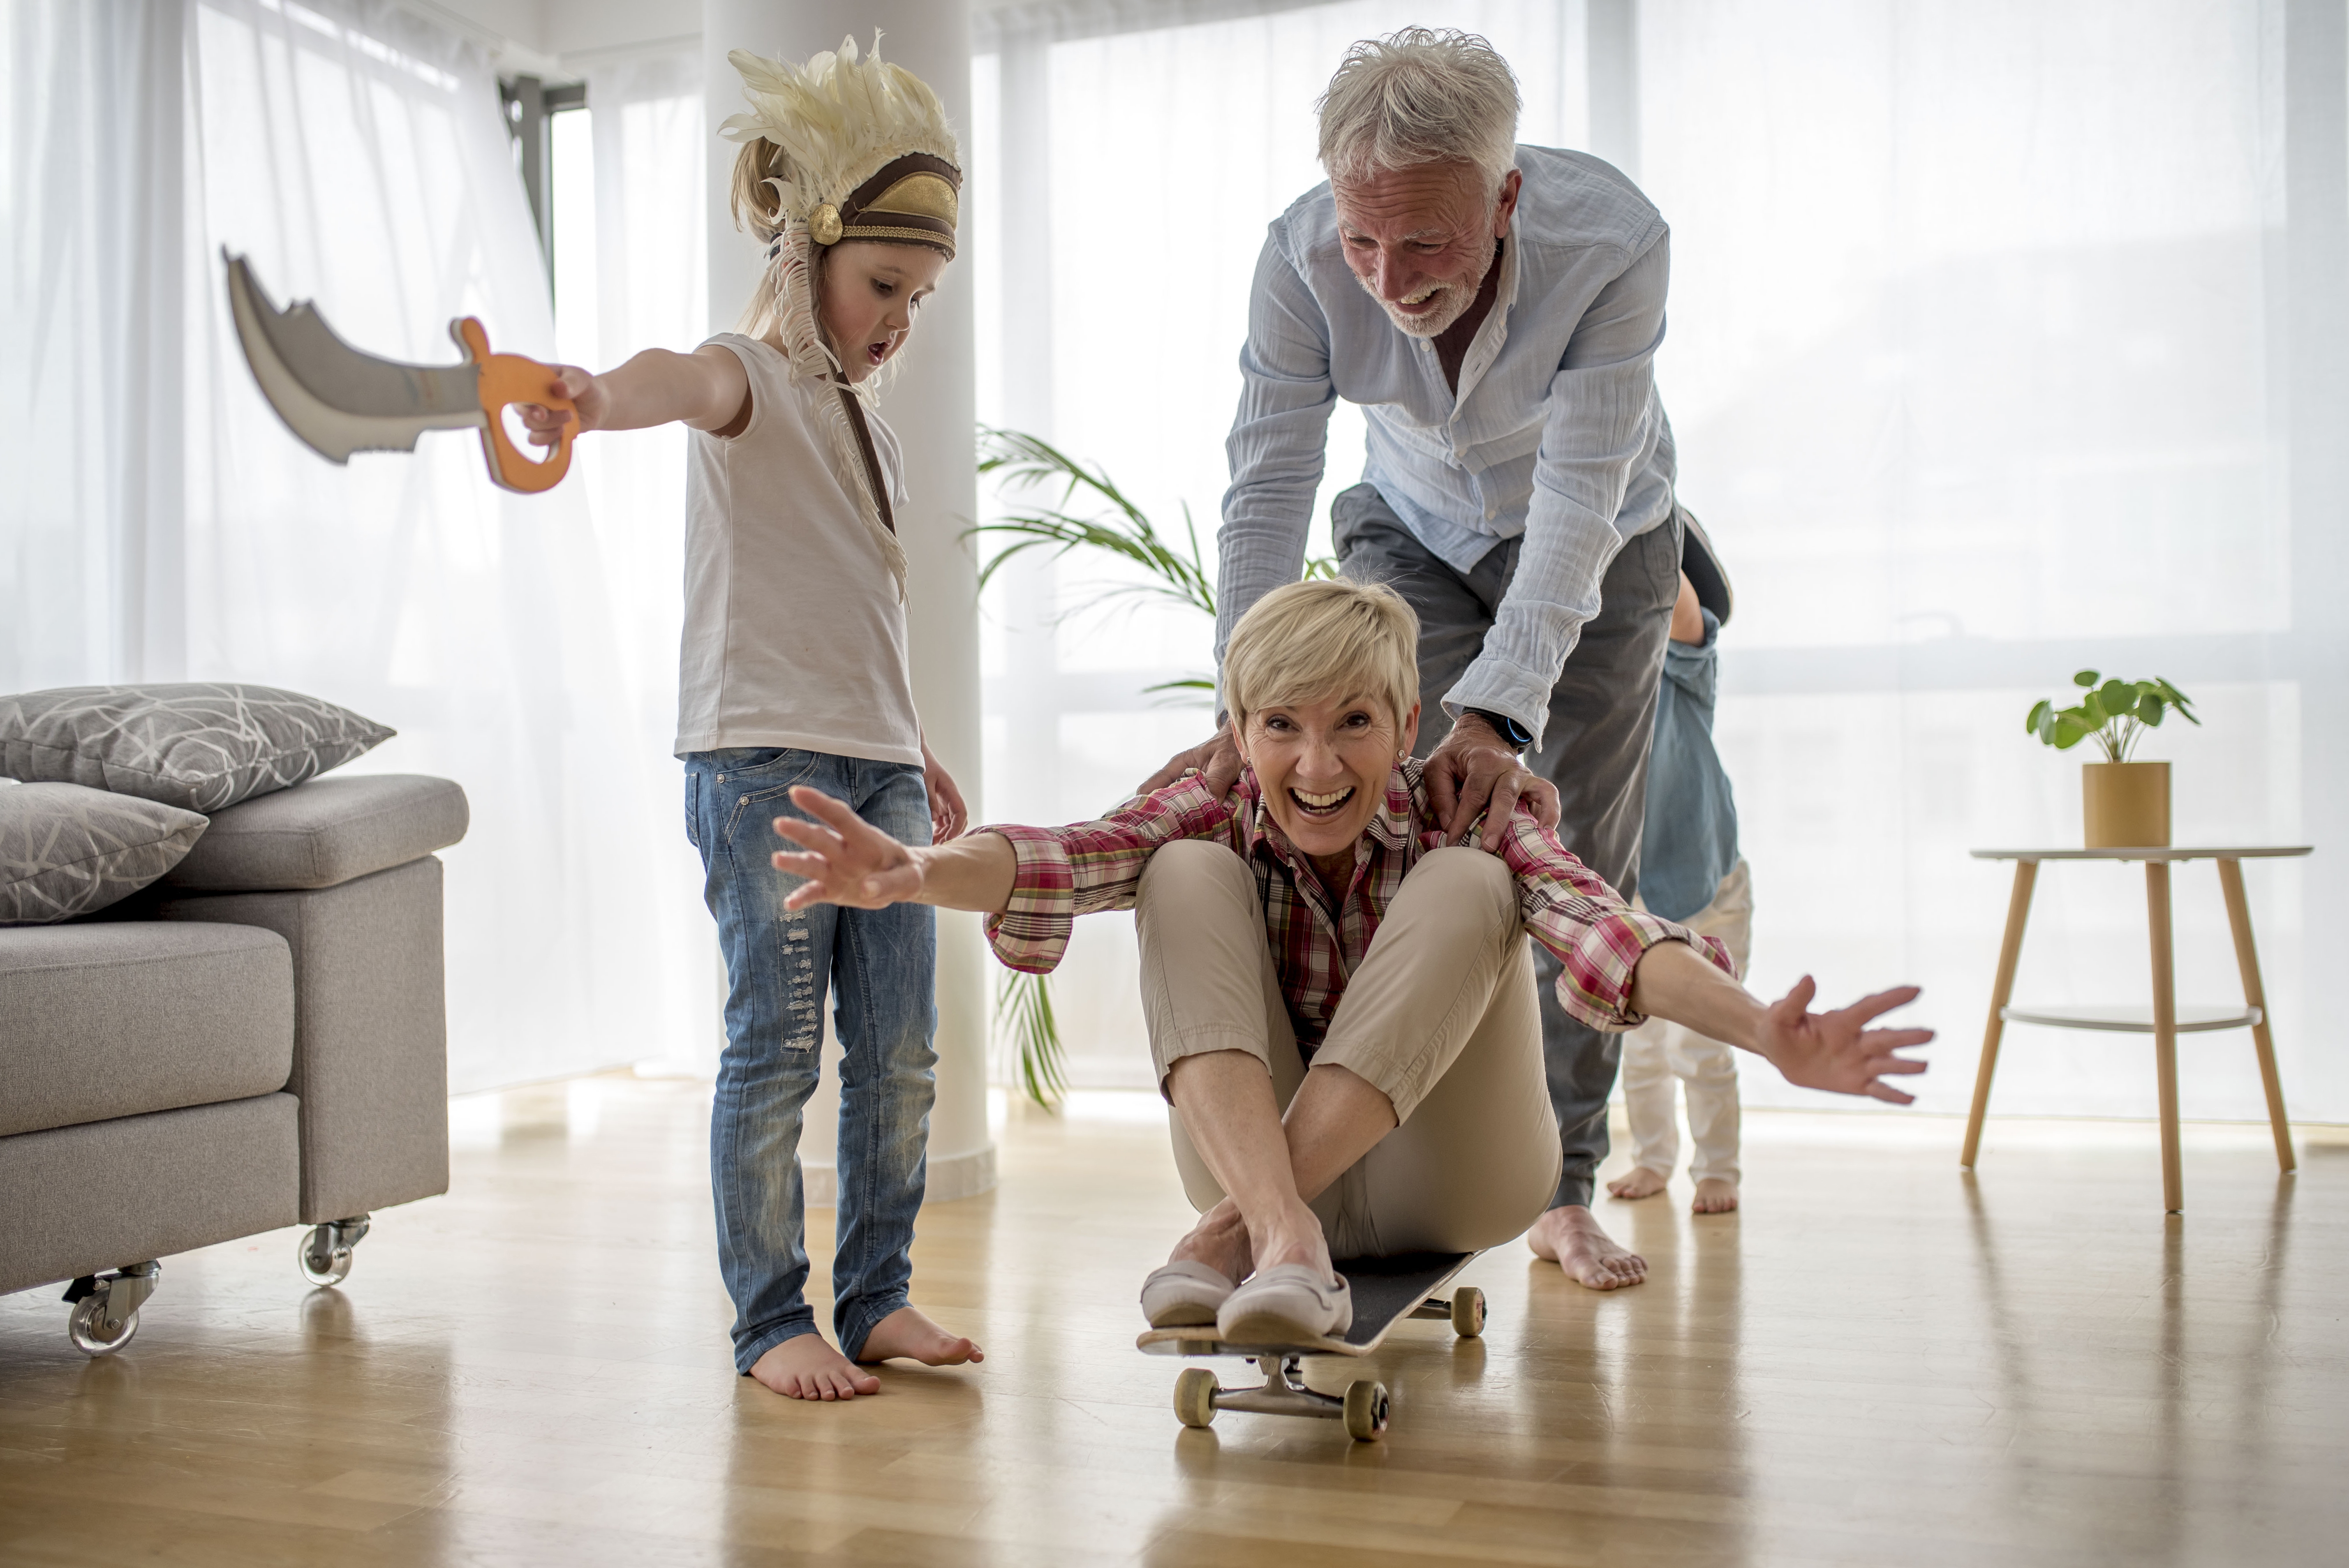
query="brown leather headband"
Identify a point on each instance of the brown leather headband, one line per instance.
(911, 201)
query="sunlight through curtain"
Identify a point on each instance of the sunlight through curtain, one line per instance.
(163, 525)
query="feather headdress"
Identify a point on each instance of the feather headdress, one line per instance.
(862, 151)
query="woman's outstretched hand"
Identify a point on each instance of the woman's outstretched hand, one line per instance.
(1838, 1050)
(846, 860)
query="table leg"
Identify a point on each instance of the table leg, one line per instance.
(2165, 1030)
(2246, 959)
(2018, 910)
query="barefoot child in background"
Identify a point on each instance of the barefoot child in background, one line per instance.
(794, 672)
(1689, 872)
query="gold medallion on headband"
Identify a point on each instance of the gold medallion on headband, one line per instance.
(824, 225)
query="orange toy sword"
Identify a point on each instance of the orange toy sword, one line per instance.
(340, 401)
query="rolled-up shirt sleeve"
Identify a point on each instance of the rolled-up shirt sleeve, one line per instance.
(1598, 939)
(1279, 440)
(1599, 425)
(1089, 867)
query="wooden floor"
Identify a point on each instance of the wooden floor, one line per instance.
(1878, 1362)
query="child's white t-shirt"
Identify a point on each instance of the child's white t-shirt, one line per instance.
(793, 632)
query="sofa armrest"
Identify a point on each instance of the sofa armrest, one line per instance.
(371, 1031)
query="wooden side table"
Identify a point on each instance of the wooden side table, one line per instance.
(2165, 1022)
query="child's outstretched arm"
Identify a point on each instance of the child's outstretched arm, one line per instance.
(707, 389)
(847, 861)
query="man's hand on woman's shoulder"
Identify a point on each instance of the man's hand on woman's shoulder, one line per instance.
(1216, 757)
(1475, 772)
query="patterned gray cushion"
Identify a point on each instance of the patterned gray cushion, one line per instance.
(200, 747)
(66, 851)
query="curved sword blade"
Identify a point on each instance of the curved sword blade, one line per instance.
(337, 399)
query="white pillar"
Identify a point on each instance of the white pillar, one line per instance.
(930, 406)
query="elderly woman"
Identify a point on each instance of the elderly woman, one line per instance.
(1340, 1005)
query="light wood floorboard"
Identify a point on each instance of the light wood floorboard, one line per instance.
(1881, 1360)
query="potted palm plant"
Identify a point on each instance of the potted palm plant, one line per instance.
(1064, 505)
(2125, 804)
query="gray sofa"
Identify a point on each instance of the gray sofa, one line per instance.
(258, 1041)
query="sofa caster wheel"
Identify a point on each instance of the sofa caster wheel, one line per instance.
(324, 1253)
(1366, 1411)
(105, 1307)
(1194, 1397)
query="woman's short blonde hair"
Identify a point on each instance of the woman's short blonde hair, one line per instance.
(1323, 641)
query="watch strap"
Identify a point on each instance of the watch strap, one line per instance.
(1507, 728)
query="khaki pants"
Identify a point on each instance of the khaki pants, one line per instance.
(1439, 1015)
(1659, 1053)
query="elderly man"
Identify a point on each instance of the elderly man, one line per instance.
(1495, 310)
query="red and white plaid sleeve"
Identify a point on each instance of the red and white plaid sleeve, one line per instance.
(1089, 867)
(1569, 909)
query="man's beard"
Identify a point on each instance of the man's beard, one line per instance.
(1450, 305)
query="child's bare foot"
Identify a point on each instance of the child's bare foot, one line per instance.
(806, 1366)
(906, 1333)
(1569, 1237)
(1715, 1196)
(1641, 1183)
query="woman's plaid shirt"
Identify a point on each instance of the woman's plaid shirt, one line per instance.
(1093, 866)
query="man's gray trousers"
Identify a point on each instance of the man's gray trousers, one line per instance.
(1602, 717)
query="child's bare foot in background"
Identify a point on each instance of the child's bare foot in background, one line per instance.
(1715, 1196)
(1641, 1183)
(806, 1366)
(906, 1333)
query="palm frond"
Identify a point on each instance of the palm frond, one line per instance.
(1023, 1011)
(1110, 521)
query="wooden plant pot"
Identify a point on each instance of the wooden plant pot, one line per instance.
(2126, 805)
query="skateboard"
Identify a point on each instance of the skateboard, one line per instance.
(1386, 1290)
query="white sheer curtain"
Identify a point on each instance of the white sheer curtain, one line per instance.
(1989, 358)
(629, 276)
(162, 525)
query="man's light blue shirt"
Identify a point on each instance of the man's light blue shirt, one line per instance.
(1555, 432)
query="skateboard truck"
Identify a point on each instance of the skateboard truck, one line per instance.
(1364, 1407)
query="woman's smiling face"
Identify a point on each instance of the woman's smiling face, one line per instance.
(1323, 768)
(870, 292)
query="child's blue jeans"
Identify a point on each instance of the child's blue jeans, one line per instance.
(880, 965)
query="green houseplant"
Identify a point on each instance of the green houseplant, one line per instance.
(1063, 505)
(2125, 804)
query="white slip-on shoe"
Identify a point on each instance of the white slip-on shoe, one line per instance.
(1183, 1294)
(1284, 1305)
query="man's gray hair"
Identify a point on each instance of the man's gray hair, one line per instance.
(1420, 95)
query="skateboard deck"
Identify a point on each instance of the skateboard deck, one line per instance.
(1385, 1292)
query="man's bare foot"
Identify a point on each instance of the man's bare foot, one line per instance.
(806, 1366)
(1220, 1240)
(906, 1333)
(1641, 1183)
(1569, 1237)
(1715, 1196)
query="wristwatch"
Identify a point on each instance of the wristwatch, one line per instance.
(1507, 728)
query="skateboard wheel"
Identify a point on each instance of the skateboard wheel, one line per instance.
(1366, 1411)
(1194, 1397)
(1468, 1312)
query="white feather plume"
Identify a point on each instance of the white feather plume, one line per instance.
(838, 119)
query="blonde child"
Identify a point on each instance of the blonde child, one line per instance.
(794, 672)
(1689, 872)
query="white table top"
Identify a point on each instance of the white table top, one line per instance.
(2171, 852)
